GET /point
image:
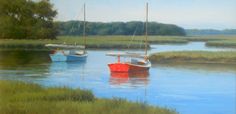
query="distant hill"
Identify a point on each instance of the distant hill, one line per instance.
(118, 28)
(210, 32)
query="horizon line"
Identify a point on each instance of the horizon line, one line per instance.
(148, 22)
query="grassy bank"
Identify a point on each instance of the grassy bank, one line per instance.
(22, 98)
(216, 41)
(93, 42)
(118, 42)
(206, 38)
(231, 43)
(194, 57)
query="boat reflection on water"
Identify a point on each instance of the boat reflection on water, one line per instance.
(56, 67)
(134, 79)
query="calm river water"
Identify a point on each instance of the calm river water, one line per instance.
(190, 89)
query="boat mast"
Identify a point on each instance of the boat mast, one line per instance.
(84, 26)
(146, 33)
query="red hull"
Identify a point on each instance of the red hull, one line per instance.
(124, 67)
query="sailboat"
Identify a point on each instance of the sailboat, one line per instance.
(137, 62)
(68, 53)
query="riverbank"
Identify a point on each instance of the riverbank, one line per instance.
(92, 42)
(219, 57)
(19, 97)
(116, 42)
(225, 41)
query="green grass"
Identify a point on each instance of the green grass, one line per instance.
(22, 98)
(163, 39)
(216, 41)
(118, 42)
(222, 57)
(92, 42)
(231, 43)
(98, 42)
(216, 68)
(206, 38)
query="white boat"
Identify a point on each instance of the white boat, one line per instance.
(68, 53)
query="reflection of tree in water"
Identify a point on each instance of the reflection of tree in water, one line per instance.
(34, 64)
(23, 58)
(23, 65)
(134, 79)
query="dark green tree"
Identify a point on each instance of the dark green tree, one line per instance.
(119, 28)
(27, 19)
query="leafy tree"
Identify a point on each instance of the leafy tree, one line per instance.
(21, 19)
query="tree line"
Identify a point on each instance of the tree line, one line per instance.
(33, 19)
(27, 19)
(118, 28)
(210, 32)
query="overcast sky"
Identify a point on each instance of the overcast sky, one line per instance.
(200, 14)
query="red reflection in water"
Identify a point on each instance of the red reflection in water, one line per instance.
(134, 78)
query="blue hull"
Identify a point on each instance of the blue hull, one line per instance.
(60, 57)
(76, 57)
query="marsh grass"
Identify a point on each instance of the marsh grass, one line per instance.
(216, 41)
(22, 98)
(225, 43)
(206, 38)
(91, 42)
(99, 42)
(199, 67)
(117, 42)
(221, 57)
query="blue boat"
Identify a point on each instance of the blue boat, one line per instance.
(68, 55)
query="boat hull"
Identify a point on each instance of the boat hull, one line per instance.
(61, 57)
(58, 57)
(76, 57)
(125, 67)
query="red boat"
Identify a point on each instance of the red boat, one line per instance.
(136, 62)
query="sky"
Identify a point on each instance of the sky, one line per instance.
(189, 14)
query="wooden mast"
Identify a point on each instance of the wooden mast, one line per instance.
(84, 35)
(146, 33)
